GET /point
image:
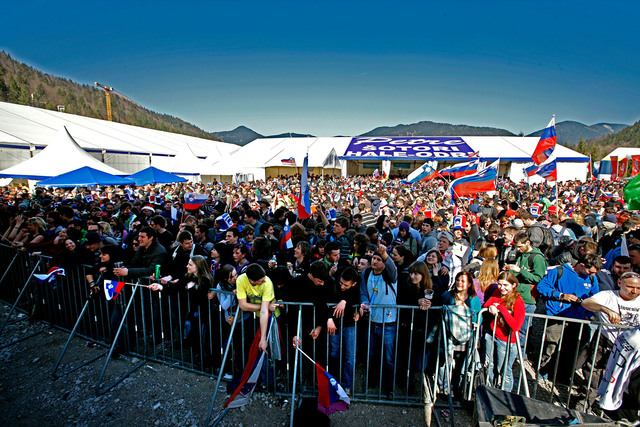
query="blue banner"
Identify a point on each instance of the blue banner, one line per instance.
(380, 148)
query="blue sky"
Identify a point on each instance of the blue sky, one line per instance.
(344, 67)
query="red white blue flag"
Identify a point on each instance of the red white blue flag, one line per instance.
(286, 242)
(547, 143)
(548, 170)
(530, 170)
(423, 173)
(289, 161)
(50, 277)
(194, 200)
(460, 169)
(331, 395)
(112, 289)
(479, 182)
(304, 203)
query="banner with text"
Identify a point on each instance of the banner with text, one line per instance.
(432, 148)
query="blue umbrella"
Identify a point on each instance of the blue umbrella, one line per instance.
(152, 175)
(84, 177)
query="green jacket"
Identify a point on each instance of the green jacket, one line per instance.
(529, 277)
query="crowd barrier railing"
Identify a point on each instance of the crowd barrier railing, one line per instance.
(405, 361)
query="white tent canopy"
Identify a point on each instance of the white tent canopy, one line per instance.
(125, 147)
(623, 153)
(62, 155)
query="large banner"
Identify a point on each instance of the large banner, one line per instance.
(436, 148)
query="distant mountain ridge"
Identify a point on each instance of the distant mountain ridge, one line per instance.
(428, 128)
(569, 132)
(22, 84)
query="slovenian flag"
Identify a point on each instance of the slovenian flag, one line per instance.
(289, 161)
(423, 173)
(286, 242)
(548, 170)
(304, 204)
(460, 169)
(479, 182)
(376, 173)
(331, 395)
(112, 289)
(577, 200)
(530, 170)
(546, 144)
(50, 277)
(194, 200)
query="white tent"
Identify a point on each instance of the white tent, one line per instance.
(62, 155)
(623, 153)
(185, 164)
(125, 147)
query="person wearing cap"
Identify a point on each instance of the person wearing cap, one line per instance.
(408, 240)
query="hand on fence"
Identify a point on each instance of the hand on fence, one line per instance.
(315, 333)
(297, 342)
(614, 317)
(339, 310)
(331, 327)
(155, 287)
(424, 303)
(493, 309)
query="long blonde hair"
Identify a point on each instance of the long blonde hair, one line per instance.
(488, 273)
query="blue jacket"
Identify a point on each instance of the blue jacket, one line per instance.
(569, 283)
(375, 291)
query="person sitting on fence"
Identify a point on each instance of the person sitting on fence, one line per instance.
(379, 286)
(508, 310)
(620, 307)
(563, 289)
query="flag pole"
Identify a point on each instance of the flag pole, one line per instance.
(304, 354)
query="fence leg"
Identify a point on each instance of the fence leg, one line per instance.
(221, 371)
(295, 370)
(9, 267)
(64, 350)
(523, 372)
(100, 392)
(22, 292)
(447, 368)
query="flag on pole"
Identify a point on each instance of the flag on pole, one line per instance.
(194, 200)
(112, 289)
(479, 182)
(546, 144)
(331, 395)
(423, 173)
(304, 204)
(376, 173)
(530, 170)
(590, 169)
(243, 387)
(548, 170)
(286, 242)
(460, 169)
(289, 161)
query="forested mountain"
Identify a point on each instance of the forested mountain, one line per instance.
(22, 84)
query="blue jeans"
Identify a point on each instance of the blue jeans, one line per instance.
(501, 353)
(384, 340)
(528, 309)
(348, 347)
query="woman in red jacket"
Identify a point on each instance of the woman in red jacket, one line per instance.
(507, 307)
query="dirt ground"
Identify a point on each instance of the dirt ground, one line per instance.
(155, 394)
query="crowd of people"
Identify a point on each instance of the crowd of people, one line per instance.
(570, 250)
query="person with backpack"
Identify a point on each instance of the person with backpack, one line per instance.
(563, 289)
(379, 287)
(529, 269)
(539, 235)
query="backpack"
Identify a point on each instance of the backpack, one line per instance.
(385, 277)
(547, 243)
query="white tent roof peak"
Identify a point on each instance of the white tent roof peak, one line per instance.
(62, 155)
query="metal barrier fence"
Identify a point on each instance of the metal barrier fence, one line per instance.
(408, 361)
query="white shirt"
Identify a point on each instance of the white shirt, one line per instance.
(629, 312)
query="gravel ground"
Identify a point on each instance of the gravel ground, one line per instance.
(155, 394)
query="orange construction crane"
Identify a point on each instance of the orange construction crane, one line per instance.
(107, 91)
